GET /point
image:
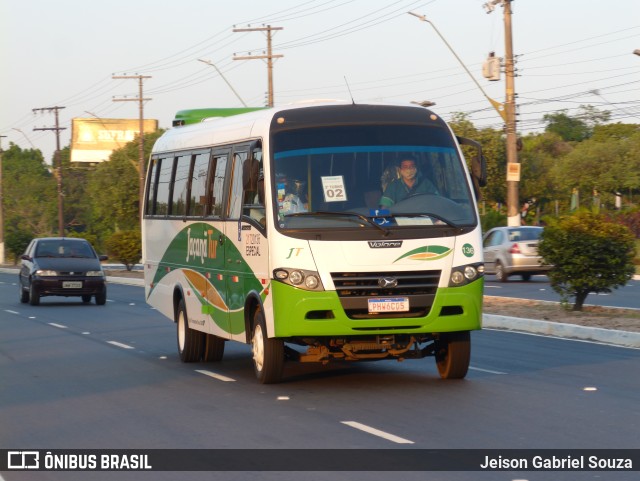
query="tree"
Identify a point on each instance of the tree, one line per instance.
(577, 128)
(126, 247)
(77, 208)
(589, 254)
(29, 192)
(608, 162)
(114, 187)
(494, 149)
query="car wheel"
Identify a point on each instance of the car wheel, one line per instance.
(453, 353)
(34, 295)
(24, 295)
(268, 353)
(101, 299)
(190, 341)
(86, 298)
(526, 277)
(501, 275)
(213, 348)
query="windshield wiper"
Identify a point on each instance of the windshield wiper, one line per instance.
(365, 219)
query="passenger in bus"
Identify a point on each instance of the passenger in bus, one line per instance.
(290, 196)
(408, 184)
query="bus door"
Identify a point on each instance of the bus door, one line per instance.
(218, 304)
(245, 252)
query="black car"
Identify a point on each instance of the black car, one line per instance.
(61, 266)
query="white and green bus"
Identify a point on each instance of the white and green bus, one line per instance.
(270, 228)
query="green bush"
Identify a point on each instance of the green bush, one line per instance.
(126, 246)
(492, 219)
(589, 254)
(16, 242)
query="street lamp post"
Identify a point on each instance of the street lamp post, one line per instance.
(507, 110)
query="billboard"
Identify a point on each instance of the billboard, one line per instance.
(94, 139)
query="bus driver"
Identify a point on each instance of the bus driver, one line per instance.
(409, 183)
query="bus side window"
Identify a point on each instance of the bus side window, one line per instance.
(163, 188)
(198, 190)
(217, 183)
(180, 186)
(151, 191)
(236, 194)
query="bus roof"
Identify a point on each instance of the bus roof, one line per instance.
(192, 116)
(206, 127)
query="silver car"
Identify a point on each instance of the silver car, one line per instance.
(513, 250)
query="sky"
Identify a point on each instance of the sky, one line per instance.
(65, 53)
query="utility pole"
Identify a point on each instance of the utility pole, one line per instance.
(2, 257)
(269, 56)
(513, 165)
(58, 163)
(140, 100)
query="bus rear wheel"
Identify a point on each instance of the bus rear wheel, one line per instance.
(268, 353)
(453, 353)
(190, 341)
(213, 348)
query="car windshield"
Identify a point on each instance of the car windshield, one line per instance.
(63, 248)
(350, 177)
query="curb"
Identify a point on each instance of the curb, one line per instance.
(559, 329)
(129, 281)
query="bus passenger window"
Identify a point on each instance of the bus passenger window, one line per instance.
(217, 193)
(197, 203)
(164, 182)
(180, 186)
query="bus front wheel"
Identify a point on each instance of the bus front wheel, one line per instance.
(268, 353)
(190, 341)
(453, 353)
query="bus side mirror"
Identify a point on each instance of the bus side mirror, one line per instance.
(478, 165)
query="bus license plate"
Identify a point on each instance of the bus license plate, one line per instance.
(389, 304)
(72, 284)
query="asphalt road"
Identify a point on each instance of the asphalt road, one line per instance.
(538, 288)
(78, 375)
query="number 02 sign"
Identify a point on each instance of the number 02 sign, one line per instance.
(333, 188)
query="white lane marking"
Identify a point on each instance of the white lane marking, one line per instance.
(119, 344)
(214, 375)
(11, 312)
(57, 325)
(486, 370)
(377, 432)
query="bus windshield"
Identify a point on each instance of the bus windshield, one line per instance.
(390, 176)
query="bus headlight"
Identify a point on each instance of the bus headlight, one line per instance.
(303, 279)
(463, 275)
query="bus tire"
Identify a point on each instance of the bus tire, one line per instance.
(190, 341)
(268, 353)
(213, 348)
(453, 353)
